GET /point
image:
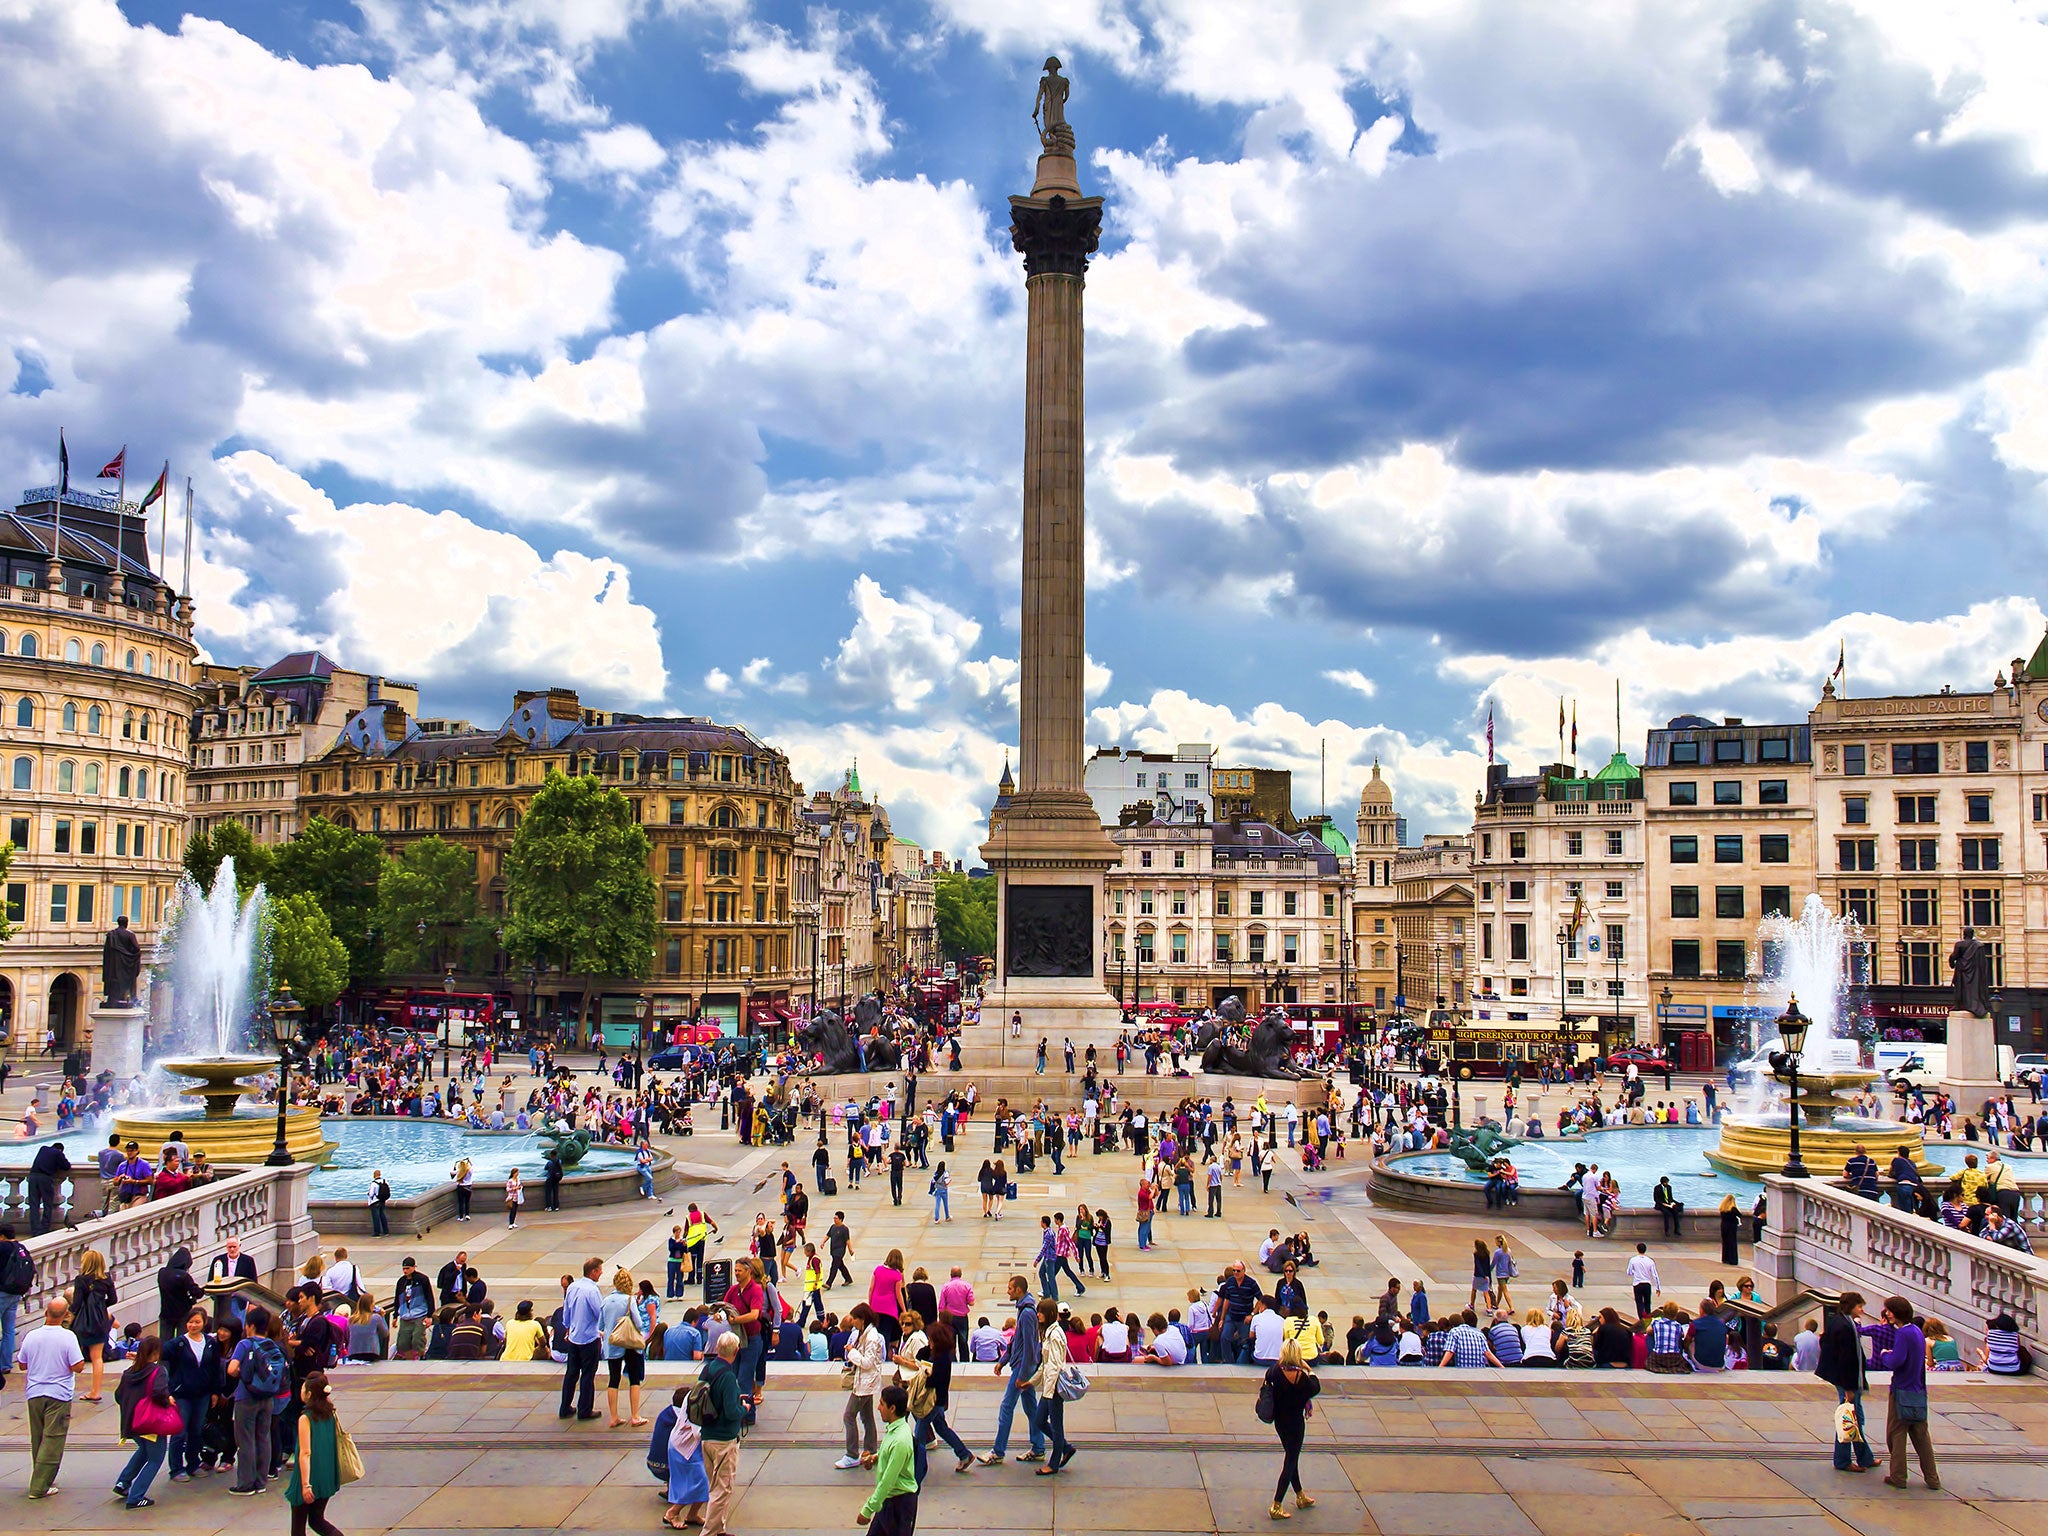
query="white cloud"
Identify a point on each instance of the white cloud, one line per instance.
(1722, 159)
(1352, 678)
(466, 600)
(718, 681)
(621, 155)
(900, 651)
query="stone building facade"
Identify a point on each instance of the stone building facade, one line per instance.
(1427, 940)
(96, 696)
(255, 727)
(1374, 980)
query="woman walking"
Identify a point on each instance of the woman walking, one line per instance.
(1731, 1226)
(986, 1178)
(867, 1356)
(689, 1483)
(999, 1180)
(1293, 1387)
(515, 1197)
(92, 1314)
(938, 1354)
(942, 1197)
(1503, 1270)
(465, 1178)
(316, 1477)
(1482, 1274)
(148, 1417)
(1052, 1408)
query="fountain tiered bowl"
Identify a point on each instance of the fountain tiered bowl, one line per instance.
(1753, 1145)
(221, 1125)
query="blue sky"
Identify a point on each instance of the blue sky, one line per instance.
(1445, 356)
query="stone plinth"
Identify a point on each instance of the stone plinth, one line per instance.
(1972, 1071)
(117, 1038)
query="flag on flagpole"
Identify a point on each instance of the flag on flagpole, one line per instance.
(63, 468)
(1560, 725)
(1841, 660)
(1578, 918)
(1575, 730)
(157, 491)
(1489, 735)
(117, 466)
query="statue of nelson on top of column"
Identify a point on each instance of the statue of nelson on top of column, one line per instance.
(1049, 111)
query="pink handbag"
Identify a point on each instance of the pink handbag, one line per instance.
(154, 1418)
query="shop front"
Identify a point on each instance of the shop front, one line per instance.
(619, 1021)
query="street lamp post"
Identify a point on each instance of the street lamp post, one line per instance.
(1664, 1020)
(447, 1016)
(1903, 980)
(1564, 938)
(285, 1016)
(1792, 1027)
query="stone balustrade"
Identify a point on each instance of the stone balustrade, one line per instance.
(266, 1208)
(1822, 1237)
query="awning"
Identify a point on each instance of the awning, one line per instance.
(760, 1010)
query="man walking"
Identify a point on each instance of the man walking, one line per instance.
(1021, 1360)
(582, 1305)
(380, 1197)
(50, 1360)
(17, 1279)
(412, 1300)
(1841, 1367)
(721, 1431)
(838, 1243)
(1642, 1274)
(891, 1510)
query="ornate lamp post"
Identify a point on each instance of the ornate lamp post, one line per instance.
(447, 1015)
(1903, 979)
(1792, 1027)
(1664, 1020)
(285, 1016)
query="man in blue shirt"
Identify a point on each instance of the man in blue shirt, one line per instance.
(1237, 1291)
(582, 1306)
(1021, 1360)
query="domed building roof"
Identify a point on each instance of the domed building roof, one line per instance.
(1377, 790)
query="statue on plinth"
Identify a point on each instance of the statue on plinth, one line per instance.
(120, 966)
(1969, 963)
(1049, 111)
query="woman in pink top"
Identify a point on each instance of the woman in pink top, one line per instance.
(885, 1297)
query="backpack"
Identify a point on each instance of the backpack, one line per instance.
(17, 1271)
(266, 1371)
(924, 1397)
(697, 1404)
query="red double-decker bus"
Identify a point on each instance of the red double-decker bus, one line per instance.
(463, 1012)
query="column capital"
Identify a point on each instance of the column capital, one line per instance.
(1055, 234)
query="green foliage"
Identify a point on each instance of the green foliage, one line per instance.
(204, 853)
(577, 885)
(339, 869)
(304, 953)
(6, 858)
(432, 882)
(966, 911)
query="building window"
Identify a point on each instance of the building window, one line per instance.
(1856, 853)
(1258, 903)
(1919, 906)
(1774, 848)
(674, 907)
(1518, 845)
(1179, 904)
(1685, 958)
(1614, 891)
(1178, 950)
(1731, 959)
(1728, 751)
(1684, 792)
(678, 812)
(1685, 752)
(1685, 850)
(1918, 853)
(1518, 941)
(1853, 759)
(1983, 906)
(1727, 791)
(1486, 838)
(1574, 988)
(1144, 903)
(60, 903)
(1728, 848)
(1921, 966)
(675, 860)
(1916, 757)
(1856, 810)
(1329, 904)
(1145, 859)
(1614, 845)
(1616, 942)
(1916, 810)
(1774, 792)
(1379, 951)
(1518, 986)
(1518, 890)
(1774, 749)
(1977, 808)
(672, 957)
(1976, 757)
(1728, 901)
(17, 891)
(1574, 844)
(1980, 853)
(1776, 901)
(1180, 858)
(1222, 904)
(1685, 901)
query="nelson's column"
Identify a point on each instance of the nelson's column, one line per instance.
(1050, 854)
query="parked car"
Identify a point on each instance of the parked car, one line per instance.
(2027, 1067)
(1913, 1072)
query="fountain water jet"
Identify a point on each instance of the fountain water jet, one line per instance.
(214, 953)
(1813, 951)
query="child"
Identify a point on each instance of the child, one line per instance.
(1418, 1306)
(1578, 1269)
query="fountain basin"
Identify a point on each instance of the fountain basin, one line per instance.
(221, 1125)
(1754, 1145)
(220, 1078)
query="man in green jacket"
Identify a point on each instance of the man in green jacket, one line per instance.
(721, 1432)
(891, 1510)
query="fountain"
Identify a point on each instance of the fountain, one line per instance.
(1756, 1138)
(213, 950)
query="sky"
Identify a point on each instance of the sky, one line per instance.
(1446, 358)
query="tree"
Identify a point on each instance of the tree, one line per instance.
(577, 885)
(338, 868)
(229, 840)
(6, 858)
(433, 882)
(304, 953)
(966, 911)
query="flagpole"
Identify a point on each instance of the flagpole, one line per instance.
(63, 482)
(163, 523)
(186, 590)
(1617, 715)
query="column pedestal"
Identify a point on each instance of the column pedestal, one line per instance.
(117, 1038)
(1972, 1071)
